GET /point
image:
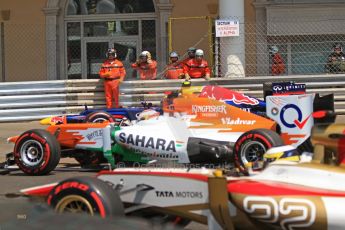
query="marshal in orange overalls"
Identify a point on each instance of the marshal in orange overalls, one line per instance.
(146, 66)
(174, 71)
(147, 71)
(278, 66)
(197, 68)
(113, 73)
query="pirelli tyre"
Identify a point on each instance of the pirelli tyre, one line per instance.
(37, 152)
(99, 117)
(86, 195)
(252, 145)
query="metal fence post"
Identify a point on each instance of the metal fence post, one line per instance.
(170, 34)
(2, 39)
(210, 41)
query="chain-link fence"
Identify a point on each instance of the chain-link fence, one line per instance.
(290, 47)
(23, 52)
(298, 46)
(305, 46)
(185, 32)
(86, 51)
(28, 50)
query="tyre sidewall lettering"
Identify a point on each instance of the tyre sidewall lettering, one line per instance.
(71, 184)
(46, 153)
(240, 142)
(259, 137)
(38, 138)
(80, 189)
(248, 138)
(46, 156)
(103, 198)
(19, 140)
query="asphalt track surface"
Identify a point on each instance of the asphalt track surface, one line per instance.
(13, 207)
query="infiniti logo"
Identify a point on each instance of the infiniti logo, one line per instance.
(277, 87)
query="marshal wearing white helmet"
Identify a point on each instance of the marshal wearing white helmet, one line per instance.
(277, 66)
(197, 67)
(174, 70)
(199, 53)
(146, 66)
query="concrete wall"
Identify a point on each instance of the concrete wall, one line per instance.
(194, 32)
(24, 33)
(191, 32)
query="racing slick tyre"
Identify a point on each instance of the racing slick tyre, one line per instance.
(86, 195)
(37, 152)
(99, 117)
(252, 145)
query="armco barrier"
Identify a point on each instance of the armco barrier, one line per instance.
(20, 101)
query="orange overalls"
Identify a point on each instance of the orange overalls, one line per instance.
(174, 71)
(278, 66)
(147, 71)
(186, 60)
(112, 71)
(196, 69)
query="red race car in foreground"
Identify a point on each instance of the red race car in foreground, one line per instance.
(285, 195)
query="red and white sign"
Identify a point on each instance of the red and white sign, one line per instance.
(227, 28)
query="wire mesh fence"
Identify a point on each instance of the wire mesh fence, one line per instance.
(23, 52)
(306, 46)
(303, 46)
(86, 51)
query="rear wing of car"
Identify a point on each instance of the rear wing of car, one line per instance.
(292, 108)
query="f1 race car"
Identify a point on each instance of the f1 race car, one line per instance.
(237, 99)
(193, 129)
(115, 115)
(285, 195)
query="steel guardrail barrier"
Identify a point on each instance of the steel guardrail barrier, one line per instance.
(21, 101)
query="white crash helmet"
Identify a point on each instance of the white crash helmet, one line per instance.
(111, 51)
(199, 52)
(287, 153)
(173, 55)
(146, 54)
(273, 49)
(148, 114)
